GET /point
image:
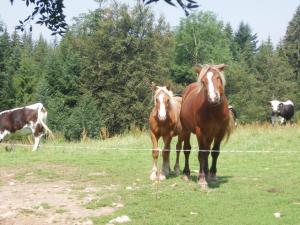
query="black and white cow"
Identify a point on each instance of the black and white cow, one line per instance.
(282, 111)
(233, 114)
(32, 117)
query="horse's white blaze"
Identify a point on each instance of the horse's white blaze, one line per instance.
(211, 89)
(162, 108)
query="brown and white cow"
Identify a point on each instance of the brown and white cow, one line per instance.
(32, 117)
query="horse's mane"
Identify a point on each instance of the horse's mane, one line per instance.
(166, 91)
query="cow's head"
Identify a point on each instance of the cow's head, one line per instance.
(274, 104)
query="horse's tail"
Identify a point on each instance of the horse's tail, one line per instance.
(229, 128)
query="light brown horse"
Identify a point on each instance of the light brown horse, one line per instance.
(204, 112)
(164, 122)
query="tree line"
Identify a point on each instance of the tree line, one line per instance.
(96, 80)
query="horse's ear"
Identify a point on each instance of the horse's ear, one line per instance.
(153, 86)
(197, 68)
(221, 67)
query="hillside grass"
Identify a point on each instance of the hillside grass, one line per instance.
(258, 175)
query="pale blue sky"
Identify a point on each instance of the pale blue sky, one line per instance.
(265, 17)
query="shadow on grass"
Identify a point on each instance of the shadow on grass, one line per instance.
(213, 184)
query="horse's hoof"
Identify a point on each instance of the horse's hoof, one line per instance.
(162, 177)
(176, 172)
(213, 178)
(153, 176)
(165, 173)
(202, 183)
(185, 177)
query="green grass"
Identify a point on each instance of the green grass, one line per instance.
(258, 175)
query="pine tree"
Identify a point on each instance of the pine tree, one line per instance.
(291, 43)
(200, 38)
(6, 95)
(245, 43)
(122, 51)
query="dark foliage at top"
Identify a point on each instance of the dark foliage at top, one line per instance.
(51, 13)
(186, 5)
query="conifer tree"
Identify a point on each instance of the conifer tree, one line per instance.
(291, 43)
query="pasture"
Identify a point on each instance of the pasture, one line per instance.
(93, 182)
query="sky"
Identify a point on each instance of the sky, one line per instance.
(267, 18)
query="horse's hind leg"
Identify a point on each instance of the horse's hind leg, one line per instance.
(166, 158)
(155, 153)
(178, 148)
(187, 150)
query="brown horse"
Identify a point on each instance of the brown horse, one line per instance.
(204, 112)
(164, 122)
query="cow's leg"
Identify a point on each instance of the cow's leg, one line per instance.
(273, 119)
(38, 134)
(166, 158)
(36, 143)
(187, 150)
(155, 153)
(282, 120)
(178, 148)
(204, 149)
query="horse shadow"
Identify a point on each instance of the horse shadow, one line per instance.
(213, 184)
(194, 178)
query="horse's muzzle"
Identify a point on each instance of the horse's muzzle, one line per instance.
(162, 118)
(215, 101)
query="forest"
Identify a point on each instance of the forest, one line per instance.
(96, 80)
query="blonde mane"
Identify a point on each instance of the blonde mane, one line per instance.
(166, 91)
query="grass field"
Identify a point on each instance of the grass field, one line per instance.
(259, 175)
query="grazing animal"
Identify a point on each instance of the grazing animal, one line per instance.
(32, 117)
(164, 122)
(204, 112)
(233, 114)
(284, 111)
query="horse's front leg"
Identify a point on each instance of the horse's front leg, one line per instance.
(204, 149)
(178, 148)
(215, 154)
(155, 153)
(187, 150)
(166, 158)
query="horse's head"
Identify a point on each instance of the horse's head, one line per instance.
(162, 100)
(212, 80)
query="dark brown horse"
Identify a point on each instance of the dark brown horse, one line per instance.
(204, 112)
(164, 122)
